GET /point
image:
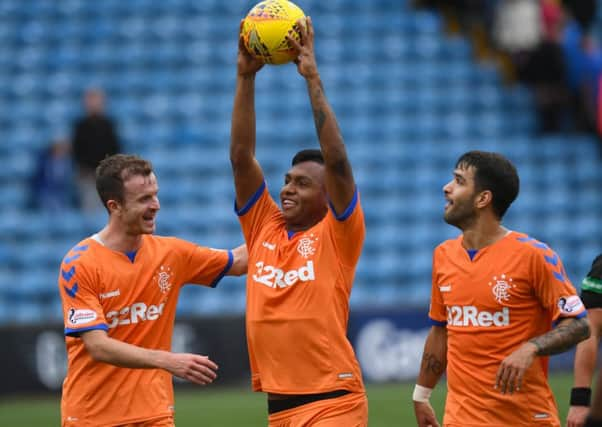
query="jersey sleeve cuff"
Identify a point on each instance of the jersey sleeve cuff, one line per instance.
(434, 322)
(347, 212)
(71, 332)
(577, 316)
(251, 201)
(225, 270)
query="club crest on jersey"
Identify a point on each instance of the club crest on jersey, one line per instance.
(306, 246)
(500, 286)
(163, 279)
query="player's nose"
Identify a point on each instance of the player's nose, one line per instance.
(447, 187)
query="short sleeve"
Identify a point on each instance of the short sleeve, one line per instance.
(437, 309)
(552, 285)
(348, 230)
(202, 265)
(258, 211)
(82, 310)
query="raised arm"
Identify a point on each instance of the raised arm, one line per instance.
(248, 175)
(434, 363)
(192, 367)
(340, 185)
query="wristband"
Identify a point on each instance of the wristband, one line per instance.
(421, 394)
(581, 396)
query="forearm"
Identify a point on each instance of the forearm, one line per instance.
(585, 362)
(563, 337)
(242, 144)
(434, 358)
(118, 353)
(327, 128)
(239, 264)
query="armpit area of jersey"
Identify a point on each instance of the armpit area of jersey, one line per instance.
(591, 299)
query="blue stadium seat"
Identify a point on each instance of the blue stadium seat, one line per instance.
(409, 99)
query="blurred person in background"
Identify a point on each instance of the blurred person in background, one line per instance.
(94, 138)
(52, 185)
(303, 258)
(119, 290)
(583, 60)
(543, 68)
(496, 294)
(586, 355)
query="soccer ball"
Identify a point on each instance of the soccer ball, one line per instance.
(265, 28)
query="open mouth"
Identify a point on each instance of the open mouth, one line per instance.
(287, 204)
(149, 219)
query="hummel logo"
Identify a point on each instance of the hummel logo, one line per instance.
(270, 246)
(445, 288)
(67, 275)
(71, 258)
(72, 290)
(111, 294)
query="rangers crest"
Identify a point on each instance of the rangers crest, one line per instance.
(306, 246)
(500, 286)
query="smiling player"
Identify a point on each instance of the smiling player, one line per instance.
(302, 262)
(119, 290)
(495, 295)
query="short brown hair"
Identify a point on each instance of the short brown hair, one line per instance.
(495, 173)
(114, 170)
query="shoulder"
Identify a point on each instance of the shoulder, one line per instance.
(529, 245)
(84, 252)
(448, 246)
(167, 243)
(82, 261)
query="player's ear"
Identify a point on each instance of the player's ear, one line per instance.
(114, 206)
(484, 198)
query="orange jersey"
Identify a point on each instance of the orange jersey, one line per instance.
(510, 292)
(135, 302)
(298, 290)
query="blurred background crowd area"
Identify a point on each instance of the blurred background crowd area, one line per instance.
(414, 85)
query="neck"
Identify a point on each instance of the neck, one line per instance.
(116, 239)
(296, 226)
(483, 233)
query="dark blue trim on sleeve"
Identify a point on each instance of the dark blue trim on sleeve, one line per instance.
(579, 316)
(348, 211)
(251, 202)
(434, 322)
(76, 332)
(225, 270)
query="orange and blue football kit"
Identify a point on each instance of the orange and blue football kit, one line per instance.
(491, 303)
(133, 297)
(298, 290)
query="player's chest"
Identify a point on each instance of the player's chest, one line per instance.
(486, 285)
(278, 263)
(141, 287)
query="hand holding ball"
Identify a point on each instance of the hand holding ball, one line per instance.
(265, 28)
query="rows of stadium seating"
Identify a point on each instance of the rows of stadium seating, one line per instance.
(409, 100)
